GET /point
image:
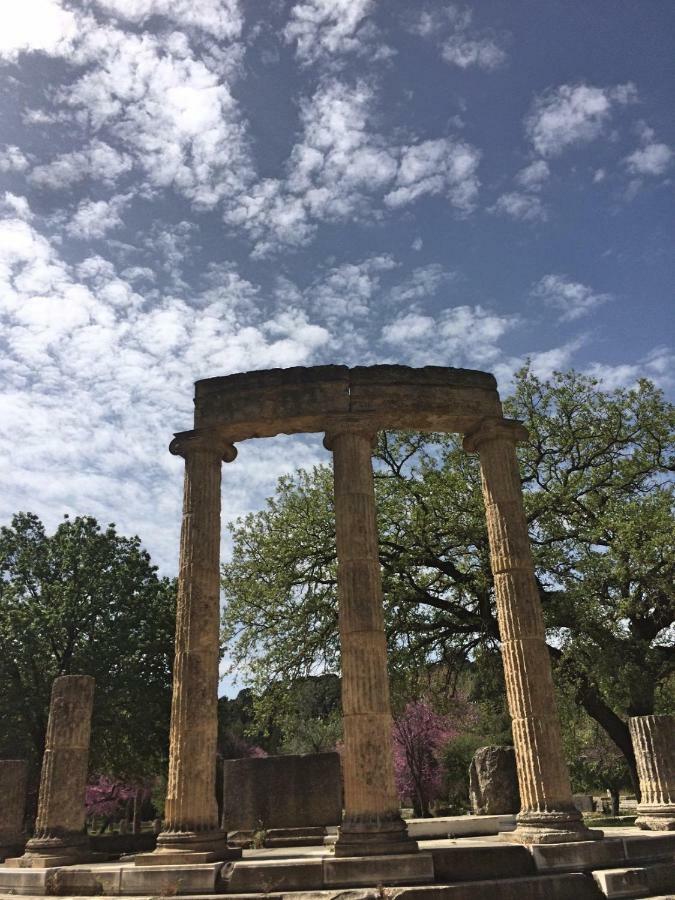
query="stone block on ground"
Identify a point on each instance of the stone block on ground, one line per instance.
(171, 880)
(355, 871)
(273, 875)
(493, 782)
(282, 792)
(622, 882)
(584, 802)
(547, 887)
(578, 857)
(478, 863)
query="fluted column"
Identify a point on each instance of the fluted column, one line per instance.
(59, 827)
(654, 745)
(547, 813)
(372, 822)
(191, 829)
(13, 777)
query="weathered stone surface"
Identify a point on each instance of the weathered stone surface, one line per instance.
(460, 863)
(493, 781)
(282, 792)
(171, 880)
(654, 745)
(584, 802)
(374, 870)
(372, 822)
(547, 813)
(13, 775)
(557, 887)
(60, 818)
(262, 404)
(191, 812)
(580, 856)
(274, 875)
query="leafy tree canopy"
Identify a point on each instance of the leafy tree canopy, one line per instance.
(599, 502)
(85, 601)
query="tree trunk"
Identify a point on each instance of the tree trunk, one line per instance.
(616, 729)
(614, 794)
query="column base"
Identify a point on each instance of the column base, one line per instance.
(656, 817)
(176, 848)
(377, 837)
(558, 827)
(63, 849)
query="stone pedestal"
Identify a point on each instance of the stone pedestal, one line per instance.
(59, 828)
(654, 745)
(372, 823)
(13, 779)
(547, 814)
(191, 831)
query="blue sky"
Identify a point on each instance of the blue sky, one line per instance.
(190, 188)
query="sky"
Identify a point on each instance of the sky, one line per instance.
(191, 188)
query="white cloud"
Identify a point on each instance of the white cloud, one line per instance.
(658, 365)
(97, 161)
(340, 165)
(220, 18)
(423, 282)
(12, 205)
(328, 29)
(107, 375)
(484, 53)
(463, 45)
(13, 159)
(532, 176)
(519, 205)
(460, 335)
(347, 290)
(572, 114)
(94, 218)
(652, 159)
(36, 26)
(443, 166)
(176, 116)
(572, 298)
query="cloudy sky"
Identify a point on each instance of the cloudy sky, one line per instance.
(190, 188)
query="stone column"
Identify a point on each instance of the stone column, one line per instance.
(59, 828)
(191, 831)
(547, 813)
(654, 745)
(13, 777)
(372, 822)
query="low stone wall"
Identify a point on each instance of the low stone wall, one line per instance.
(282, 792)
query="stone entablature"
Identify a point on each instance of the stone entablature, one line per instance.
(326, 398)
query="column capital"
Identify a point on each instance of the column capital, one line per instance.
(493, 428)
(366, 434)
(185, 443)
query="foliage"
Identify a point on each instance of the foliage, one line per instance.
(419, 735)
(108, 797)
(85, 601)
(599, 507)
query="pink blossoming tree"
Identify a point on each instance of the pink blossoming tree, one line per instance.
(419, 736)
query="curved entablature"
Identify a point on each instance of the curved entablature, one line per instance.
(332, 398)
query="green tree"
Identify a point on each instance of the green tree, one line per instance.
(85, 601)
(600, 510)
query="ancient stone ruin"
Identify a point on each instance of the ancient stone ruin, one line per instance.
(654, 745)
(59, 828)
(13, 775)
(349, 406)
(493, 781)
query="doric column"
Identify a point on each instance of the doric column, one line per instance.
(191, 829)
(13, 775)
(372, 822)
(547, 813)
(59, 827)
(654, 746)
